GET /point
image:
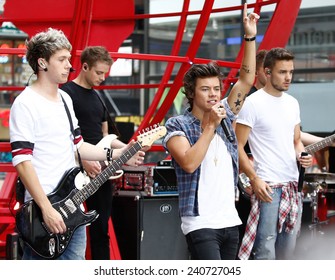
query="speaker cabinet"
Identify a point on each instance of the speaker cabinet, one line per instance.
(148, 228)
(13, 249)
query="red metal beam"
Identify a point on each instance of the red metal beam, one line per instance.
(277, 33)
(191, 53)
(167, 75)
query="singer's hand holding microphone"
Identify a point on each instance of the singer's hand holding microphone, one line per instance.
(224, 124)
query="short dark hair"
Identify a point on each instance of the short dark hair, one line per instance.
(260, 58)
(93, 54)
(196, 71)
(276, 54)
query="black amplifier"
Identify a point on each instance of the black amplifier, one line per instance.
(165, 182)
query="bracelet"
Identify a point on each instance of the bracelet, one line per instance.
(249, 39)
(109, 154)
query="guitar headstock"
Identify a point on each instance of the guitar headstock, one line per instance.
(151, 135)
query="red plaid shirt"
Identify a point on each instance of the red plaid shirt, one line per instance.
(288, 212)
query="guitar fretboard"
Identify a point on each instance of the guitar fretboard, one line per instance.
(321, 144)
(110, 170)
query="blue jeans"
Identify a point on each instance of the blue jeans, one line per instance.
(269, 244)
(213, 244)
(75, 250)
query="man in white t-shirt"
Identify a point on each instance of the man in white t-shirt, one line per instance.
(270, 122)
(43, 147)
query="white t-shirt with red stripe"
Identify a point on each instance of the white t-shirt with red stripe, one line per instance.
(44, 125)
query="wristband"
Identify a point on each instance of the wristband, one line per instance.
(109, 154)
(249, 39)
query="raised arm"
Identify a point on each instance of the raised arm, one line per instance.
(248, 66)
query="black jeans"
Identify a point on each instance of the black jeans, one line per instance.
(101, 201)
(213, 244)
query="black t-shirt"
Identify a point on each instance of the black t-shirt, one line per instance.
(89, 111)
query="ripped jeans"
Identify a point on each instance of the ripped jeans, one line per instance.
(269, 244)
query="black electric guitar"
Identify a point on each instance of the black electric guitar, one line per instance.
(67, 199)
(244, 183)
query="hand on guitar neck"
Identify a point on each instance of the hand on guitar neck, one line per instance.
(93, 168)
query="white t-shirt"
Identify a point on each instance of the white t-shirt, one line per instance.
(271, 139)
(216, 193)
(39, 121)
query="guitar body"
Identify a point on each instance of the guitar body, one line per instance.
(29, 220)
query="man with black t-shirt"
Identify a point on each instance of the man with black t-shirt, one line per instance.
(92, 116)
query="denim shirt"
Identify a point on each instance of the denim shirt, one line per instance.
(190, 127)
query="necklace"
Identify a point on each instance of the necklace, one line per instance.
(216, 139)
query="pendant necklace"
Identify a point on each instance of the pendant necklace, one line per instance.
(216, 137)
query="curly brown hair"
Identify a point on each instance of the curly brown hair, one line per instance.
(196, 71)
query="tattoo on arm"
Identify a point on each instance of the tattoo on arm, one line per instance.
(238, 102)
(246, 68)
(237, 105)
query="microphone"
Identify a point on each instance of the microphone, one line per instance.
(72, 70)
(301, 173)
(226, 130)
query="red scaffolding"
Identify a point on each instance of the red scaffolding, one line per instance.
(109, 22)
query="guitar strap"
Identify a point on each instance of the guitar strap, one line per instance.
(72, 131)
(20, 189)
(112, 129)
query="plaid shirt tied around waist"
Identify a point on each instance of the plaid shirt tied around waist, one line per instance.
(288, 212)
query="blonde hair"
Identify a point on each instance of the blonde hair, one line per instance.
(44, 45)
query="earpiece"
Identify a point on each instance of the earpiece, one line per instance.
(42, 65)
(268, 72)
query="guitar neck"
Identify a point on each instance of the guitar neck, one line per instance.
(109, 171)
(320, 145)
